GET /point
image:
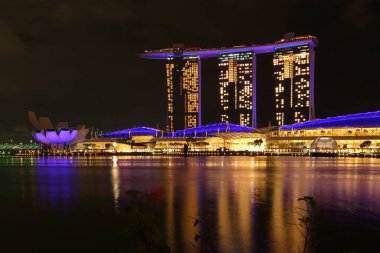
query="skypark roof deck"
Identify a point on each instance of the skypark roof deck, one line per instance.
(215, 52)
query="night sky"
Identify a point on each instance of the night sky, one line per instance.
(77, 60)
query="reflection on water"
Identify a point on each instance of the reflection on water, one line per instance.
(115, 182)
(248, 202)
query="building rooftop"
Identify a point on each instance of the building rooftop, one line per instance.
(215, 52)
(127, 133)
(368, 119)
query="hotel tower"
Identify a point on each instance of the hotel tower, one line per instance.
(183, 87)
(236, 85)
(293, 84)
(293, 64)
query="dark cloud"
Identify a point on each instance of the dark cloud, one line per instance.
(357, 14)
(10, 44)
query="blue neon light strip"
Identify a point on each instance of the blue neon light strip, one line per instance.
(126, 133)
(235, 51)
(214, 52)
(290, 46)
(369, 119)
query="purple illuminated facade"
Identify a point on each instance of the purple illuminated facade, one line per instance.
(306, 82)
(57, 137)
(60, 135)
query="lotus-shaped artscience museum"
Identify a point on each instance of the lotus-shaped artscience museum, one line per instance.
(43, 131)
(60, 136)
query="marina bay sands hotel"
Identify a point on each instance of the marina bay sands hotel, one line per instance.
(293, 64)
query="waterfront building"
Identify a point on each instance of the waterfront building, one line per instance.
(183, 87)
(293, 84)
(103, 146)
(136, 139)
(236, 85)
(219, 137)
(294, 81)
(353, 133)
(130, 140)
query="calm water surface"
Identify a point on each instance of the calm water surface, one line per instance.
(76, 205)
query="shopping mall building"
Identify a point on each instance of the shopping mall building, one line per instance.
(351, 133)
